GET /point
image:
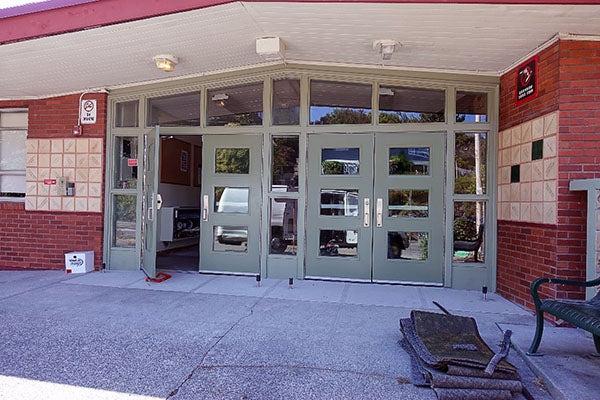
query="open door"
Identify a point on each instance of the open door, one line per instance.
(151, 200)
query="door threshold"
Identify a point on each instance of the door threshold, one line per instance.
(330, 279)
(409, 283)
(376, 281)
(228, 273)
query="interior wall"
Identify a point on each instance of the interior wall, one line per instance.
(177, 195)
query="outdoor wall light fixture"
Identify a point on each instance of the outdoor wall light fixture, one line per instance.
(385, 47)
(166, 62)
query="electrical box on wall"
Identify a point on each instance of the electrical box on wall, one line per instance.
(65, 187)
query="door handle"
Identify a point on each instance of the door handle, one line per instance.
(366, 212)
(151, 208)
(205, 208)
(159, 201)
(379, 215)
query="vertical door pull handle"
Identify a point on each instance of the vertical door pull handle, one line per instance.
(205, 208)
(366, 212)
(379, 213)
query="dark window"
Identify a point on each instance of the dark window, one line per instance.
(537, 149)
(401, 104)
(126, 114)
(284, 163)
(235, 105)
(471, 107)
(515, 174)
(339, 103)
(286, 102)
(176, 110)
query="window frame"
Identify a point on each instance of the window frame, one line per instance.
(15, 172)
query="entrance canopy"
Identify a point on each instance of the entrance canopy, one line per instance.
(484, 39)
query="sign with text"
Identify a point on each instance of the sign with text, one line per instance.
(49, 181)
(88, 112)
(132, 162)
(527, 80)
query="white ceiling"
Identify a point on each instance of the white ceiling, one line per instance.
(454, 37)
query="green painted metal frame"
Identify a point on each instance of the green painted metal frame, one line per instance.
(465, 275)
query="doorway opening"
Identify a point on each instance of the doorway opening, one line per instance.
(179, 186)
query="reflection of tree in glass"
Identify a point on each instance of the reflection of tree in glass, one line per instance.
(400, 164)
(400, 117)
(232, 161)
(285, 155)
(345, 116)
(240, 119)
(465, 227)
(467, 161)
(332, 167)
(125, 208)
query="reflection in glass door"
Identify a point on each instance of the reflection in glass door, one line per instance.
(408, 237)
(340, 171)
(376, 207)
(231, 203)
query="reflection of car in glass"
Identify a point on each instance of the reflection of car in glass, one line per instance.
(339, 202)
(283, 221)
(230, 235)
(232, 200)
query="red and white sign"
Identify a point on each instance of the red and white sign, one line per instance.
(132, 162)
(49, 181)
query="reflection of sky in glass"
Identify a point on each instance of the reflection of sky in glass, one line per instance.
(318, 112)
(341, 154)
(413, 154)
(471, 117)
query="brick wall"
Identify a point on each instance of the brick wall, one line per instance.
(546, 101)
(525, 252)
(569, 74)
(39, 239)
(578, 149)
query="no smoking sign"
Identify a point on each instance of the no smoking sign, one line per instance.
(88, 112)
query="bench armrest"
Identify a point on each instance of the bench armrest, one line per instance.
(535, 285)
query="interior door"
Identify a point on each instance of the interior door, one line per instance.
(340, 175)
(408, 241)
(150, 200)
(231, 204)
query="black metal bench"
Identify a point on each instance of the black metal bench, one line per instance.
(582, 314)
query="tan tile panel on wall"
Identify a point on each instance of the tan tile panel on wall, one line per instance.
(533, 198)
(78, 160)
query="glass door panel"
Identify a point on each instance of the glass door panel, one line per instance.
(231, 204)
(340, 173)
(408, 236)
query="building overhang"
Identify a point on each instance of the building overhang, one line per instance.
(445, 37)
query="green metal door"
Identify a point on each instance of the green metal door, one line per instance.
(340, 188)
(150, 200)
(376, 207)
(408, 228)
(231, 204)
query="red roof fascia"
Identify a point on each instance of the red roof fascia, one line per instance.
(60, 16)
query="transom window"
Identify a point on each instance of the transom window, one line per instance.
(235, 105)
(339, 103)
(403, 105)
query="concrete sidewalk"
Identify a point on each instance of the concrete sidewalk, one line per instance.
(112, 335)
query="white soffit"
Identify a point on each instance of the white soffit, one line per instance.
(470, 38)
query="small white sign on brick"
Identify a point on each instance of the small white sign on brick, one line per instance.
(88, 112)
